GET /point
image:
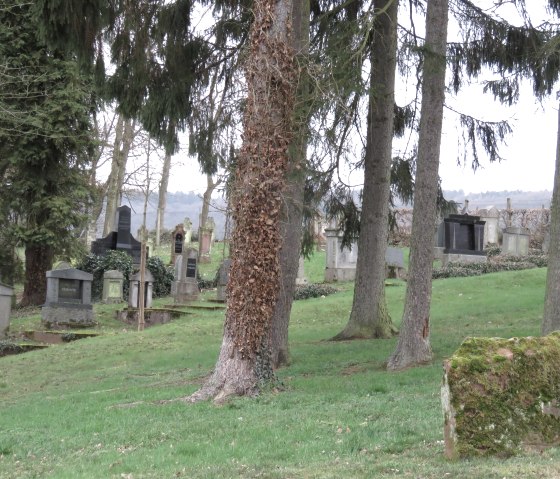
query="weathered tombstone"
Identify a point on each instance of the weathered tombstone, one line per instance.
(68, 301)
(341, 265)
(501, 395)
(187, 225)
(113, 286)
(121, 239)
(490, 216)
(515, 241)
(300, 278)
(177, 242)
(186, 283)
(223, 277)
(394, 262)
(134, 289)
(6, 295)
(205, 242)
(464, 239)
(546, 240)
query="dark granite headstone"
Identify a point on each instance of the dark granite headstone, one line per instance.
(464, 234)
(121, 239)
(178, 243)
(191, 268)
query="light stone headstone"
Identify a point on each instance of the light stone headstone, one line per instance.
(6, 295)
(515, 241)
(223, 277)
(113, 281)
(300, 278)
(185, 287)
(187, 225)
(394, 261)
(341, 264)
(491, 216)
(68, 301)
(134, 290)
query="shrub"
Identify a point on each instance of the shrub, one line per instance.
(314, 290)
(163, 276)
(97, 265)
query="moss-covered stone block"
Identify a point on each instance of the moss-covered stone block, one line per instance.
(501, 395)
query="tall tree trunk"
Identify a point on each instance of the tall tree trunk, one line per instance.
(414, 340)
(292, 215)
(38, 260)
(162, 200)
(271, 74)
(124, 136)
(207, 198)
(551, 317)
(369, 317)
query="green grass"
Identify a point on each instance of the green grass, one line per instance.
(93, 408)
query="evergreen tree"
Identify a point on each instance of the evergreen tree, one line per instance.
(45, 145)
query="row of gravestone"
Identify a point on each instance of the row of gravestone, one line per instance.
(181, 238)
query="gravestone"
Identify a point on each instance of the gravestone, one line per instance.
(185, 286)
(134, 289)
(490, 216)
(501, 396)
(300, 278)
(394, 262)
(515, 241)
(464, 239)
(68, 301)
(6, 295)
(113, 286)
(187, 225)
(341, 265)
(121, 239)
(205, 242)
(177, 242)
(223, 277)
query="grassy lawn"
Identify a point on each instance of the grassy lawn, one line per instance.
(97, 408)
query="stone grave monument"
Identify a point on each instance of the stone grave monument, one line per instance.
(206, 234)
(463, 239)
(515, 241)
(490, 216)
(6, 295)
(300, 278)
(223, 277)
(121, 239)
(68, 302)
(341, 265)
(394, 263)
(134, 289)
(113, 286)
(185, 286)
(177, 242)
(187, 225)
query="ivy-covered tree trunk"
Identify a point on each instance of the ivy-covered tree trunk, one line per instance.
(369, 317)
(38, 260)
(414, 340)
(270, 70)
(551, 317)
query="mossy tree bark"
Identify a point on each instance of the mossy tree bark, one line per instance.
(38, 260)
(292, 215)
(551, 317)
(414, 346)
(369, 317)
(256, 203)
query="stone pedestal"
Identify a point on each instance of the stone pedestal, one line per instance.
(6, 295)
(134, 289)
(223, 277)
(68, 302)
(490, 216)
(516, 241)
(113, 287)
(341, 265)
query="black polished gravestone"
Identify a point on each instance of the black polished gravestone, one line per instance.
(121, 240)
(464, 234)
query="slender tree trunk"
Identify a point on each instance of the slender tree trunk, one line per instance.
(414, 340)
(38, 260)
(369, 317)
(207, 198)
(551, 317)
(292, 215)
(124, 136)
(244, 360)
(162, 200)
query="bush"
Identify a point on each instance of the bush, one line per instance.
(97, 265)
(163, 276)
(314, 290)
